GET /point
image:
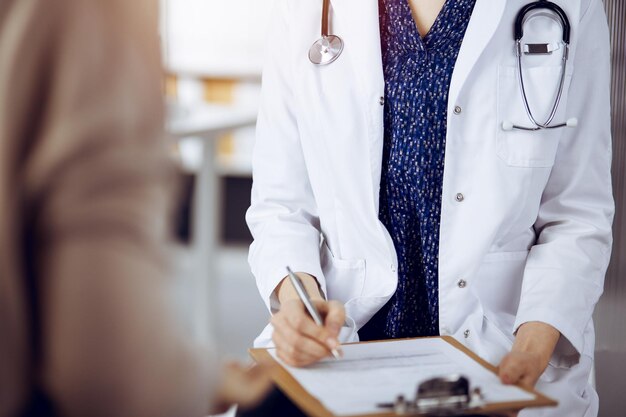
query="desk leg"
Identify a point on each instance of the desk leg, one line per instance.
(205, 218)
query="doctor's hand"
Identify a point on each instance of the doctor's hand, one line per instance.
(533, 347)
(299, 341)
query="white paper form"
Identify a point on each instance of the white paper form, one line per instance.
(374, 373)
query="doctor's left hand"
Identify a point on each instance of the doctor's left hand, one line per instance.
(298, 340)
(534, 344)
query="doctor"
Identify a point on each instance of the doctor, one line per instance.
(400, 182)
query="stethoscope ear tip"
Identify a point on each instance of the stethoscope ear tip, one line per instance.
(507, 126)
(573, 122)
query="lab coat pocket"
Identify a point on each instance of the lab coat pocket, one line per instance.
(521, 148)
(344, 277)
(498, 284)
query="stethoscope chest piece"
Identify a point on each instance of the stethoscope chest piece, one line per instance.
(326, 50)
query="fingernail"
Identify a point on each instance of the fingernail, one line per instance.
(340, 351)
(332, 343)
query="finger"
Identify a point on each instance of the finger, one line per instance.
(283, 323)
(511, 370)
(289, 354)
(335, 317)
(303, 323)
(259, 380)
(294, 360)
(266, 367)
(278, 321)
(302, 343)
(528, 381)
(245, 386)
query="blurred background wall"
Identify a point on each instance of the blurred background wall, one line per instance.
(610, 317)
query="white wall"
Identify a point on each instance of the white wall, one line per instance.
(215, 37)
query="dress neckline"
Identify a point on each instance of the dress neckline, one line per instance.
(433, 27)
(399, 29)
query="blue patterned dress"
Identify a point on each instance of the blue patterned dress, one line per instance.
(417, 80)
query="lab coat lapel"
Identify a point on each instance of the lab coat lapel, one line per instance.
(357, 22)
(482, 26)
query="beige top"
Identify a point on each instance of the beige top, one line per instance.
(85, 191)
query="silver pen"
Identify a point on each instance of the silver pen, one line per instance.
(310, 307)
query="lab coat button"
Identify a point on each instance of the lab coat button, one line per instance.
(460, 197)
(462, 283)
(382, 101)
(393, 268)
(458, 110)
(466, 333)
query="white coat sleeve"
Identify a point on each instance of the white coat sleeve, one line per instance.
(564, 274)
(283, 215)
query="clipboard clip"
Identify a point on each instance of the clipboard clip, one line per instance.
(442, 396)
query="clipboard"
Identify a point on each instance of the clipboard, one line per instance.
(314, 408)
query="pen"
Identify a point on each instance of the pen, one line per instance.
(310, 307)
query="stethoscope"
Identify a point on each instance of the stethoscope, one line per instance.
(530, 49)
(329, 47)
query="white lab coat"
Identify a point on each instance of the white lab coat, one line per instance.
(526, 216)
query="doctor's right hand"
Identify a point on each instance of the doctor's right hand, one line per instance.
(298, 340)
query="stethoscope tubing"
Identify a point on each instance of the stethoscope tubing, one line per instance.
(325, 18)
(557, 102)
(542, 4)
(518, 35)
(328, 47)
